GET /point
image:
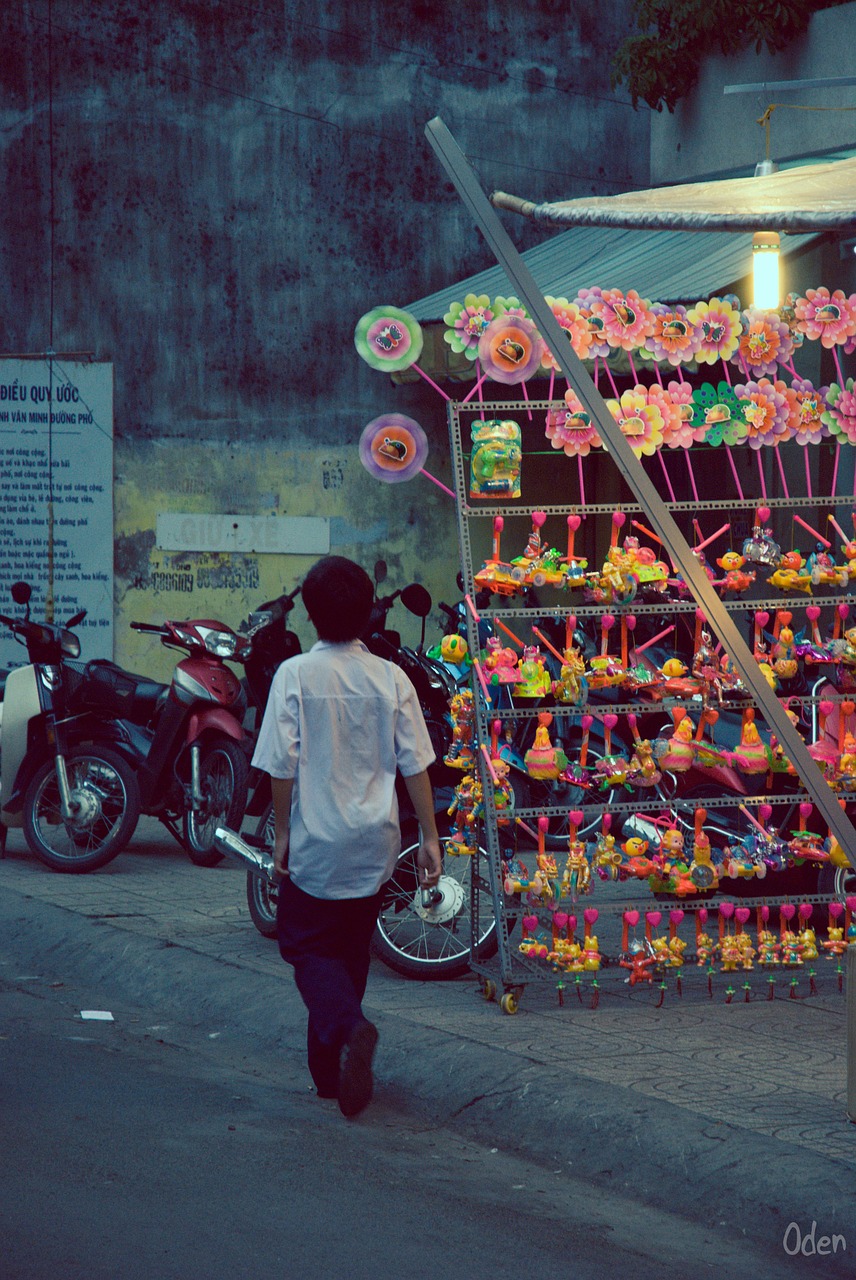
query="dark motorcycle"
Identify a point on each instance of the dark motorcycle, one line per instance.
(62, 778)
(184, 741)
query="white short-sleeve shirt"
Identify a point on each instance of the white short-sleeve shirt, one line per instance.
(340, 721)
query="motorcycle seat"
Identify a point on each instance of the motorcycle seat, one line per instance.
(108, 687)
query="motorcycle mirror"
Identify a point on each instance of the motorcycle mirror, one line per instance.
(379, 572)
(21, 592)
(416, 599)
(76, 620)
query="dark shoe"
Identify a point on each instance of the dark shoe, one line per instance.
(356, 1082)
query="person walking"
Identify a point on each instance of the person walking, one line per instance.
(338, 726)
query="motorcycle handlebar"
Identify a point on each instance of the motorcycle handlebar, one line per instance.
(152, 627)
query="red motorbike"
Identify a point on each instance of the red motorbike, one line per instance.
(185, 741)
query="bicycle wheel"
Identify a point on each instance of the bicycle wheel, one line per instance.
(434, 942)
(261, 893)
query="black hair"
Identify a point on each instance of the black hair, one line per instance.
(338, 595)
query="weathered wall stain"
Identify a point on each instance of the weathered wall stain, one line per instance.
(233, 187)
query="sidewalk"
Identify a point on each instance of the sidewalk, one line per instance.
(730, 1112)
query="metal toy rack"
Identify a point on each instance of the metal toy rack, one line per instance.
(509, 969)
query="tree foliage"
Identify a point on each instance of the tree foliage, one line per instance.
(660, 63)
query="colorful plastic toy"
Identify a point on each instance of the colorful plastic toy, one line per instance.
(495, 460)
(543, 760)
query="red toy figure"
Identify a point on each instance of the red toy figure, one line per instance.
(639, 964)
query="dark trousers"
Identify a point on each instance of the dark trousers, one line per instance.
(327, 941)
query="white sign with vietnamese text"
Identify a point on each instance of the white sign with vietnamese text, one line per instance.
(56, 495)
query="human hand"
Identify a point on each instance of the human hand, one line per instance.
(280, 862)
(429, 860)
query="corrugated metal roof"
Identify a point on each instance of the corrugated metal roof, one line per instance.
(664, 266)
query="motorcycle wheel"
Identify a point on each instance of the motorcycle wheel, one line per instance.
(262, 894)
(107, 796)
(840, 881)
(434, 943)
(223, 773)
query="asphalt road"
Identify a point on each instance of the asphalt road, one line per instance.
(140, 1149)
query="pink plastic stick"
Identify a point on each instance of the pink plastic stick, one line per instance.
(753, 820)
(734, 471)
(782, 472)
(761, 477)
(819, 536)
(835, 466)
(473, 610)
(546, 643)
(666, 476)
(479, 380)
(807, 473)
(838, 366)
(640, 648)
(726, 371)
(837, 527)
(528, 830)
(439, 483)
(632, 367)
(692, 476)
(611, 380)
(430, 381)
(582, 486)
(701, 546)
(552, 382)
(489, 764)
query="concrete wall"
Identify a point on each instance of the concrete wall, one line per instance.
(232, 186)
(712, 133)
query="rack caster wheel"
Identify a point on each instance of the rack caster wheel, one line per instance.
(488, 989)
(508, 1004)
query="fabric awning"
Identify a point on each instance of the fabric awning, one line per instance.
(809, 198)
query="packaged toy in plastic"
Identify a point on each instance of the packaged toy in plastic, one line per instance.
(495, 460)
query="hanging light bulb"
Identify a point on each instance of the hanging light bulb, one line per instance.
(765, 269)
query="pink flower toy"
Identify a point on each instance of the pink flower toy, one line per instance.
(572, 320)
(829, 317)
(571, 429)
(840, 412)
(806, 405)
(597, 344)
(765, 343)
(673, 337)
(640, 420)
(765, 411)
(627, 318)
